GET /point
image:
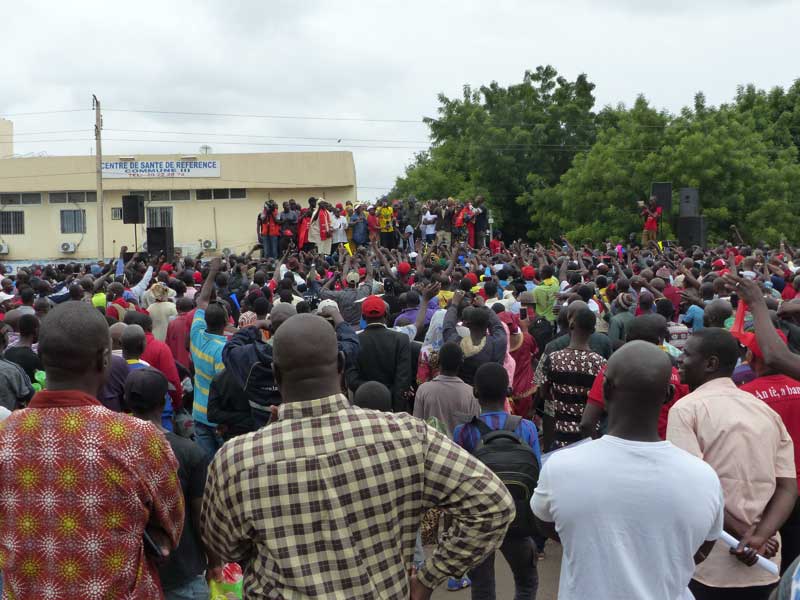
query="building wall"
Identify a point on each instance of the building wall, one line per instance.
(231, 223)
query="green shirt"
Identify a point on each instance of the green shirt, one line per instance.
(545, 296)
(618, 326)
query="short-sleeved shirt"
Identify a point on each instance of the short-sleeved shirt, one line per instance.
(570, 373)
(14, 384)
(631, 516)
(782, 394)
(188, 560)
(545, 296)
(693, 318)
(385, 218)
(597, 398)
(206, 351)
(747, 444)
(468, 436)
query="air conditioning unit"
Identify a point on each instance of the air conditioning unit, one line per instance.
(226, 252)
(3, 248)
(68, 247)
(209, 244)
(144, 246)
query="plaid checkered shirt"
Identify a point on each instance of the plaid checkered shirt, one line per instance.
(326, 503)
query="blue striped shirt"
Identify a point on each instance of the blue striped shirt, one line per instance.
(468, 436)
(206, 349)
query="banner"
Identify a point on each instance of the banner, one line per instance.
(160, 168)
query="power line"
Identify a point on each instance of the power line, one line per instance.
(255, 116)
(276, 137)
(45, 112)
(16, 133)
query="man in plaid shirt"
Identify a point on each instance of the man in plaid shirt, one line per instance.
(326, 502)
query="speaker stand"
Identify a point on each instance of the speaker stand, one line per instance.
(135, 240)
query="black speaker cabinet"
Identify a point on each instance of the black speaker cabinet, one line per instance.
(159, 239)
(662, 190)
(133, 210)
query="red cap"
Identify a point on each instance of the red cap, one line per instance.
(373, 306)
(718, 264)
(749, 341)
(167, 267)
(528, 272)
(404, 268)
(472, 278)
(339, 205)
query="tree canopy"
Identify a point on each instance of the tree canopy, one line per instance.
(538, 149)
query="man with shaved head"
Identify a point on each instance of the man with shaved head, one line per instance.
(86, 481)
(364, 478)
(633, 513)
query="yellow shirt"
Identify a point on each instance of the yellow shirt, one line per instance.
(385, 218)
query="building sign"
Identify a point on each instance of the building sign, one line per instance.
(160, 168)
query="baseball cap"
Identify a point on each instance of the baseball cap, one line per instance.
(528, 272)
(352, 277)
(373, 306)
(145, 382)
(472, 278)
(403, 268)
(327, 303)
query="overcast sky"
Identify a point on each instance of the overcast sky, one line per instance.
(358, 60)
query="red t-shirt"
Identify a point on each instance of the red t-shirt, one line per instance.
(372, 223)
(596, 397)
(495, 246)
(651, 224)
(788, 292)
(782, 394)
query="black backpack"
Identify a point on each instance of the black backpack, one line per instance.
(514, 462)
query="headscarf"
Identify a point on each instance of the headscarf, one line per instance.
(434, 338)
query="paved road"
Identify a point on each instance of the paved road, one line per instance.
(549, 569)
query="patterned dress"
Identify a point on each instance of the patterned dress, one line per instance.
(570, 373)
(78, 484)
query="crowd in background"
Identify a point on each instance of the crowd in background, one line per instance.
(376, 399)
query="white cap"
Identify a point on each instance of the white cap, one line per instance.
(325, 304)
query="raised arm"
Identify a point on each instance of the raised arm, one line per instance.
(204, 297)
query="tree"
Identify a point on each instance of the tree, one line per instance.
(492, 139)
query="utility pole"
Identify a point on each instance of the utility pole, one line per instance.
(98, 127)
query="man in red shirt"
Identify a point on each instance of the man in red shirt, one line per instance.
(782, 394)
(158, 355)
(177, 339)
(651, 214)
(648, 328)
(80, 484)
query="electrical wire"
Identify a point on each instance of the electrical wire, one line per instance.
(44, 112)
(254, 116)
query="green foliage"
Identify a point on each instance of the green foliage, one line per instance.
(538, 149)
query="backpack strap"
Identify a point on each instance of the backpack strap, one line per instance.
(482, 427)
(512, 422)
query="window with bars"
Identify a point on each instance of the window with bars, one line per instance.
(159, 216)
(116, 213)
(73, 221)
(12, 222)
(169, 195)
(222, 194)
(64, 197)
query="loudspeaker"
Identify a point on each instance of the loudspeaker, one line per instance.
(692, 231)
(690, 202)
(662, 190)
(159, 239)
(133, 210)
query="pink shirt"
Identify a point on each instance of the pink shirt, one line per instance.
(746, 443)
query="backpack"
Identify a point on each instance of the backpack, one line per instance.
(514, 462)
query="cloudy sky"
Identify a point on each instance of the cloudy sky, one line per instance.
(372, 69)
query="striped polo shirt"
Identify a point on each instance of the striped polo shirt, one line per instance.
(206, 349)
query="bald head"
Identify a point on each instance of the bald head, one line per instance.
(116, 334)
(306, 359)
(636, 386)
(74, 347)
(716, 313)
(133, 342)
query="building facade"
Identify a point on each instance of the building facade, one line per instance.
(48, 205)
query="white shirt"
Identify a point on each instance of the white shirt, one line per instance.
(631, 516)
(429, 228)
(339, 230)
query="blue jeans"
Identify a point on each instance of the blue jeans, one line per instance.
(270, 245)
(518, 551)
(196, 589)
(207, 438)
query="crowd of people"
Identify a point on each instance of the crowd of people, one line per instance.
(375, 400)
